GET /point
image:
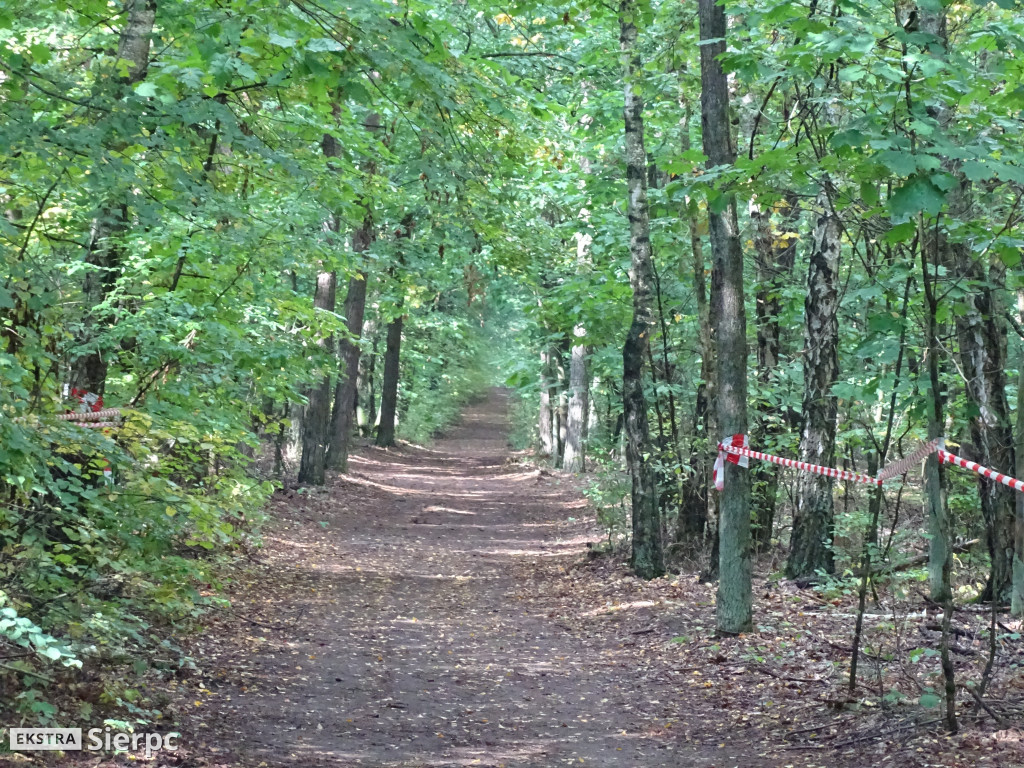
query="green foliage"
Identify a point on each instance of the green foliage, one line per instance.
(443, 370)
(608, 493)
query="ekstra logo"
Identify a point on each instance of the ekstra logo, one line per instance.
(41, 739)
(70, 739)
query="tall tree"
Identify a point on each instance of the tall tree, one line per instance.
(734, 608)
(346, 391)
(774, 257)
(647, 558)
(813, 520)
(576, 425)
(103, 253)
(317, 413)
(392, 360)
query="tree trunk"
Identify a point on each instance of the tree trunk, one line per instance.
(545, 422)
(697, 506)
(573, 458)
(89, 368)
(982, 336)
(389, 386)
(560, 403)
(366, 415)
(647, 558)
(346, 390)
(393, 357)
(775, 253)
(1017, 595)
(317, 417)
(346, 393)
(940, 559)
(734, 603)
(814, 518)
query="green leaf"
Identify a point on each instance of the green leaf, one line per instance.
(40, 53)
(929, 700)
(869, 193)
(900, 163)
(901, 233)
(918, 195)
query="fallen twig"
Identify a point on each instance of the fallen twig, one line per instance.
(788, 679)
(12, 668)
(883, 733)
(253, 621)
(985, 705)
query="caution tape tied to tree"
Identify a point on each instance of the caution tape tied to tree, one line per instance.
(736, 449)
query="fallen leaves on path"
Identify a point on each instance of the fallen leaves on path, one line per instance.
(437, 608)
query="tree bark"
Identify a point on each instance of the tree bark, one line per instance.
(579, 382)
(366, 414)
(317, 417)
(982, 339)
(814, 518)
(389, 385)
(392, 359)
(647, 558)
(734, 603)
(691, 522)
(545, 422)
(559, 402)
(775, 253)
(1017, 594)
(346, 390)
(940, 558)
(89, 368)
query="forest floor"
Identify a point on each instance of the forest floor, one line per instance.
(437, 607)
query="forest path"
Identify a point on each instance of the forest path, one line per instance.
(415, 613)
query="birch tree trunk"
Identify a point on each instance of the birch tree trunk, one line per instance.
(545, 422)
(647, 558)
(575, 432)
(734, 602)
(814, 517)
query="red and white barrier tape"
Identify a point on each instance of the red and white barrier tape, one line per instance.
(103, 415)
(991, 474)
(803, 466)
(737, 443)
(737, 451)
(904, 465)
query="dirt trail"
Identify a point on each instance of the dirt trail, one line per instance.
(406, 619)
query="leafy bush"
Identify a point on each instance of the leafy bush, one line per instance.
(93, 571)
(608, 492)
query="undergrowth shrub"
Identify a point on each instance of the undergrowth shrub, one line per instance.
(97, 574)
(608, 490)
